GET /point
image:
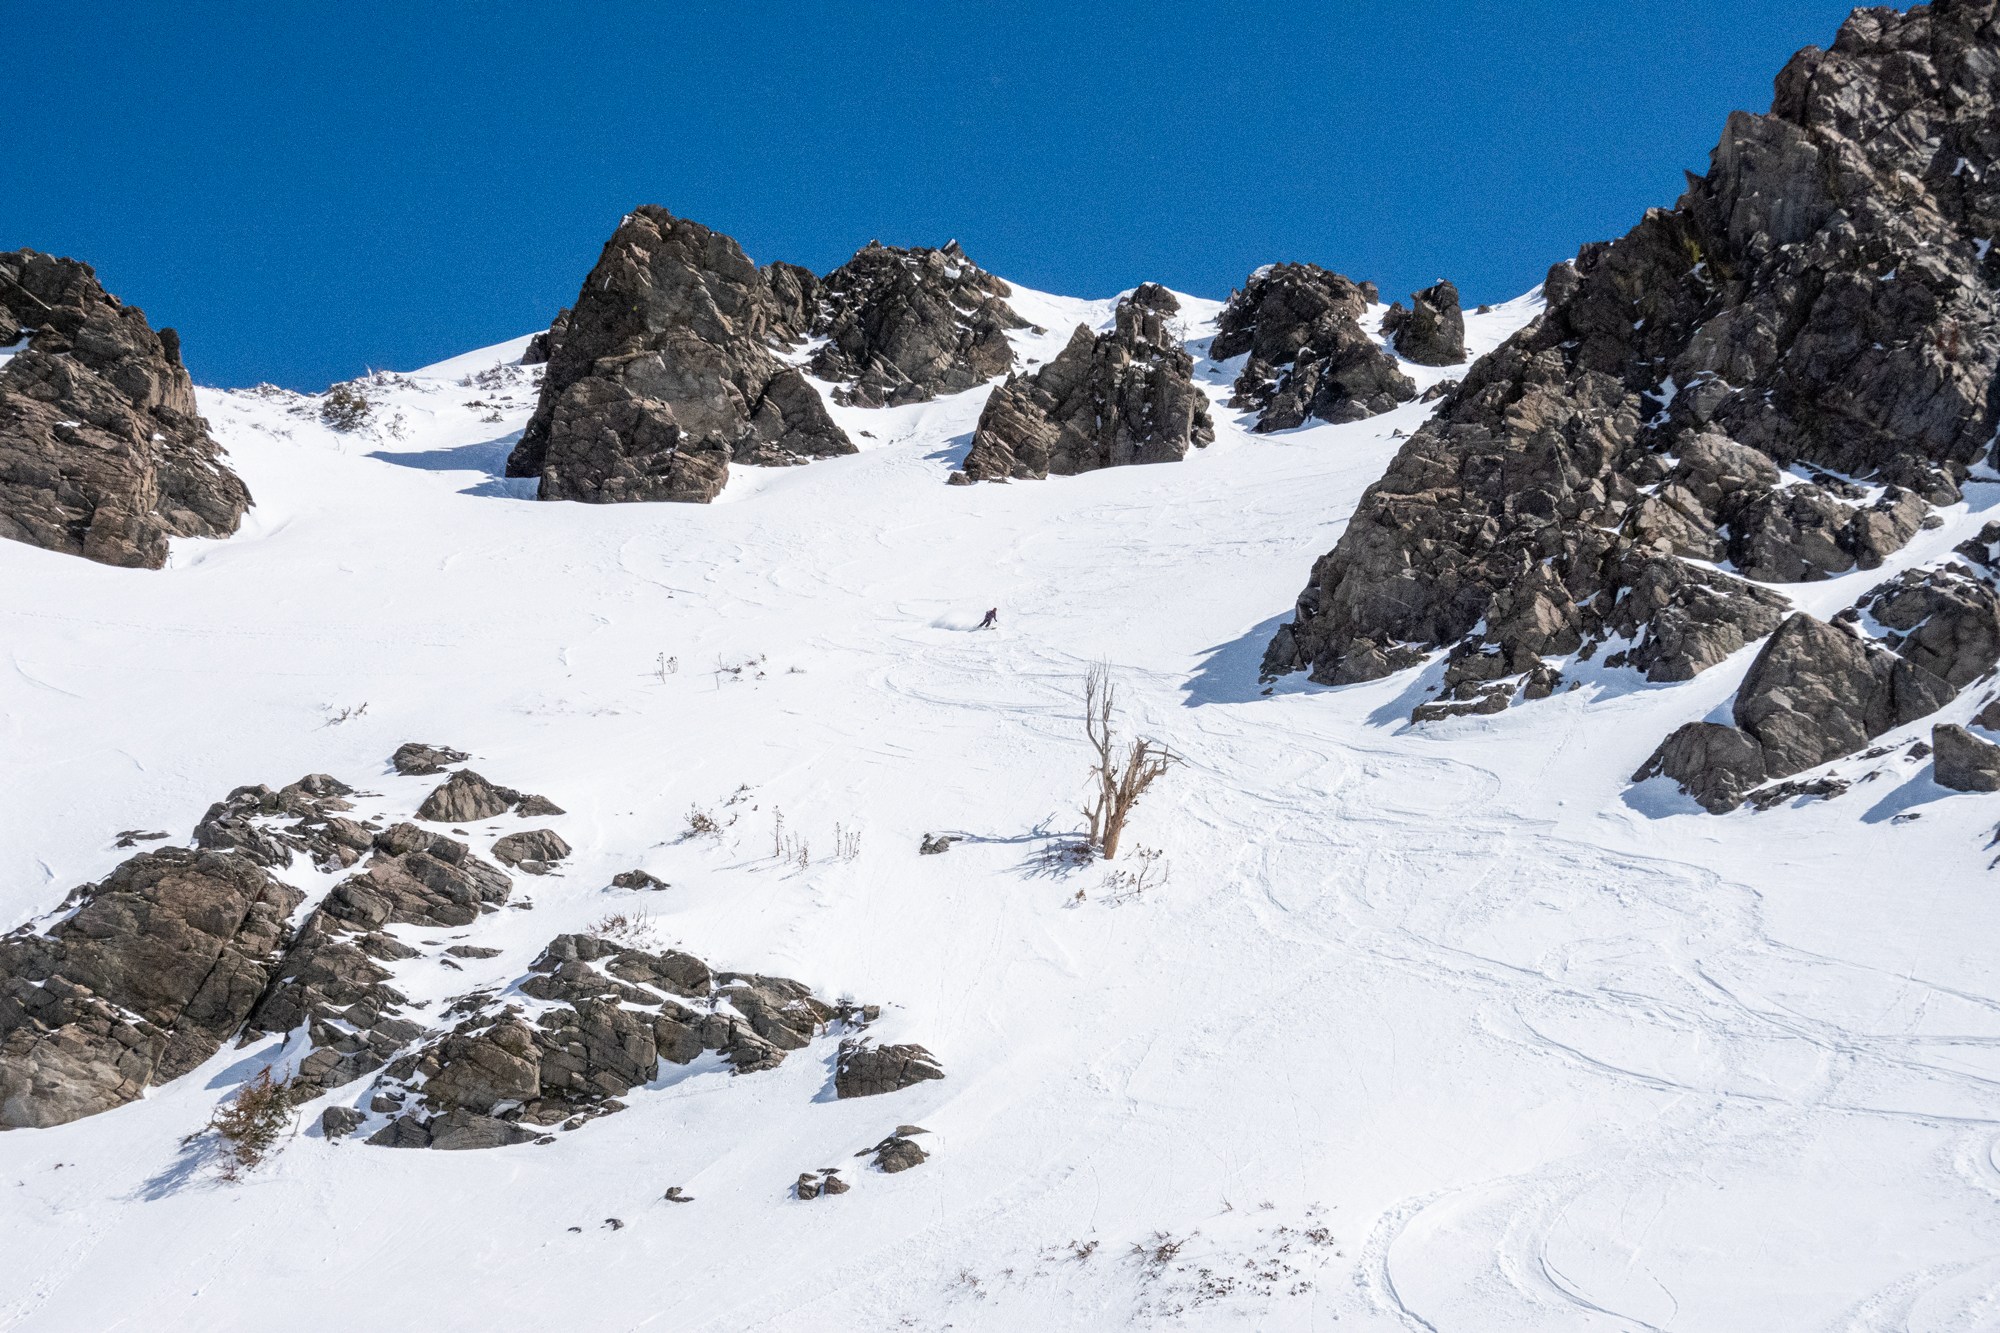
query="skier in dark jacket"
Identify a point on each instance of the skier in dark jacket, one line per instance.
(992, 619)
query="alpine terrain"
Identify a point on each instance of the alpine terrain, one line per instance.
(890, 799)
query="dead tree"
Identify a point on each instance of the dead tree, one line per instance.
(1119, 779)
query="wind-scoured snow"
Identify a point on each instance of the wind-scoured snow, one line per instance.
(1442, 1028)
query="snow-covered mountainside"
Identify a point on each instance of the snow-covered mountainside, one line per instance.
(1406, 1027)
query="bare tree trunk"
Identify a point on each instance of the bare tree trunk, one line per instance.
(1119, 781)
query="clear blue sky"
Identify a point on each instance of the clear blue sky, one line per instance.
(309, 189)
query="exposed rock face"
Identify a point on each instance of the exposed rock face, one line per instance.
(664, 373)
(533, 851)
(245, 822)
(1815, 692)
(897, 1153)
(160, 964)
(1309, 355)
(416, 759)
(1962, 761)
(543, 344)
(1715, 764)
(465, 798)
(179, 950)
(615, 1013)
(1818, 301)
(1940, 620)
(903, 326)
(1127, 396)
(332, 980)
(1432, 331)
(866, 1070)
(103, 453)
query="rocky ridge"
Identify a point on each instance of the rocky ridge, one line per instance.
(902, 326)
(681, 357)
(103, 452)
(180, 950)
(1779, 376)
(1107, 400)
(1309, 356)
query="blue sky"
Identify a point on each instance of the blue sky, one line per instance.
(307, 190)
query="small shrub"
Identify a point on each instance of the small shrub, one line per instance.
(345, 408)
(1128, 884)
(700, 823)
(252, 1123)
(635, 930)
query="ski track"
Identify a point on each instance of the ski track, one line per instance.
(1549, 1063)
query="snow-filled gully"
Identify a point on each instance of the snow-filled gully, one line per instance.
(1429, 1028)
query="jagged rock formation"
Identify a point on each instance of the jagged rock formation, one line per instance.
(416, 759)
(243, 822)
(542, 345)
(612, 1014)
(103, 452)
(898, 1152)
(533, 852)
(1962, 761)
(664, 373)
(866, 1070)
(1107, 400)
(1309, 355)
(179, 950)
(903, 326)
(1942, 620)
(160, 964)
(1815, 692)
(1432, 331)
(466, 798)
(1821, 301)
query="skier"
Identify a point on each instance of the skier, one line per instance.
(992, 619)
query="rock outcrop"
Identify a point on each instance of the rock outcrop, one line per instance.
(542, 345)
(898, 1152)
(180, 950)
(159, 965)
(612, 1014)
(863, 1069)
(534, 851)
(416, 759)
(1432, 331)
(1940, 620)
(1962, 761)
(465, 798)
(1107, 400)
(1308, 353)
(1814, 693)
(103, 452)
(902, 326)
(665, 372)
(1820, 303)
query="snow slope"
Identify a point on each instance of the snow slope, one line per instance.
(1424, 1029)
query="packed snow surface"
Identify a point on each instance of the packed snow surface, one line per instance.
(1444, 1028)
